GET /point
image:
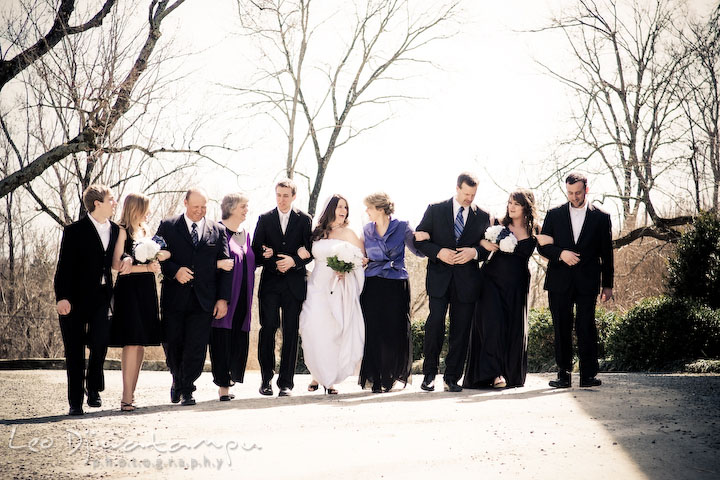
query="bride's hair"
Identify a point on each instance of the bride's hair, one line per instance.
(527, 200)
(322, 230)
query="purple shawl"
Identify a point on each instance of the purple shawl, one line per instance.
(244, 265)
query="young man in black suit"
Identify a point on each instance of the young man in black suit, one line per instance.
(278, 236)
(194, 291)
(83, 288)
(456, 227)
(580, 261)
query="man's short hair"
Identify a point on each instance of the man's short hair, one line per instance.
(287, 183)
(575, 177)
(467, 178)
(92, 193)
(198, 190)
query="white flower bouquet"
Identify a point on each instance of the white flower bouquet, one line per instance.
(147, 249)
(502, 237)
(344, 260)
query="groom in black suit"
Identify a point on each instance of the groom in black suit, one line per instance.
(194, 291)
(580, 261)
(83, 288)
(278, 236)
(456, 227)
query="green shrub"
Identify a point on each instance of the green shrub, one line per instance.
(541, 335)
(417, 330)
(694, 268)
(660, 332)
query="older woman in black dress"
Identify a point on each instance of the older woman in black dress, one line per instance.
(135, 323)
(498, 340)
(229, 337)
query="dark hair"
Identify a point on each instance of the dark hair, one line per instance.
(467, 178)
(322, 230)
(527, 200)
(575, 177)
(94, 193)
(287, 183)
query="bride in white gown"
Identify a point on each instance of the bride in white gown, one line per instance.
(331, 321)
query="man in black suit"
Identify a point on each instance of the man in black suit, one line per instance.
(83, 288)
(456, 227)
(278, 236)
(194, 291)
(580, 261)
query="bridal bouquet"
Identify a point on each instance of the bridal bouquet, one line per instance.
(502, 237)
(344, 259)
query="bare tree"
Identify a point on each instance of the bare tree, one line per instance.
(626, 82)
(382, 35)
(93, 137)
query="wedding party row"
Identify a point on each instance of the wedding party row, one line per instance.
(352, 310)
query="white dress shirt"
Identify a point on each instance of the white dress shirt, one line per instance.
(456, 207)
(284, 219)
(103, 230)
(200, 226)
(577, 218)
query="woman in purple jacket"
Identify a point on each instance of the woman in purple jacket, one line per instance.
(229, 338)
(385, 299)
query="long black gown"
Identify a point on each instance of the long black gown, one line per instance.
(498, 340)
(135, 318)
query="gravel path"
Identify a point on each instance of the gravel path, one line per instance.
(634, 426)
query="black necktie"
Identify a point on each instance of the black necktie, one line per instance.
(194, 234)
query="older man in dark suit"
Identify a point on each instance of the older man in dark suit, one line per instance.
(278, 236)
(194, 291)
(83, 288)
(580, 261)
(456, 227)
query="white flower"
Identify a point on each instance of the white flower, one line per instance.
(492, 233)
(145, 249)
(508, 243)
(345, 252)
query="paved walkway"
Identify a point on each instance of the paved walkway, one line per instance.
(634, 426)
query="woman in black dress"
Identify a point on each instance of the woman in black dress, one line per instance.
(498, 340)
(135, 322)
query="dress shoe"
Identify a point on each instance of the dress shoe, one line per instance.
(428, 383)
(188, 400)
(313, 387)
(452, 386)
(74, 411)
(225, 398)
(285, 392)
(266, 389)
(376, 388)
(563, 381)
(93, 399)
(590, 382)
(499, 382)
(174, 395)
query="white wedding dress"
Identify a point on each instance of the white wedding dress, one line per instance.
(331, 324)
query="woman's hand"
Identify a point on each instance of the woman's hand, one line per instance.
(488, 245)
(544, 239)
(340, 275)
(421, 236)
(303, 253)
(153, 266)
(365, 261)
(226, 264)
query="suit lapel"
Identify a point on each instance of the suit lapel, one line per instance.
(291, 220)
(205, 233)
(94, 234)
(181, 226)
(449, 217)
(568, 222)
(588, 213)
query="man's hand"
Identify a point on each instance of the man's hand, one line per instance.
(267, 252)
(220, 309)
(464, 255)
(571, 258)
(225, 264)
(63, 307)
(125, 266)
(285, 263)
(184, 275)
(446, 255)
(606, 294)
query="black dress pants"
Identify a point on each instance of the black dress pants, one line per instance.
(186, 333)
(271, 304)
(561, 309)
(86, 325)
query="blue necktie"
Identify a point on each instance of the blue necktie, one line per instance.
(194, 234)
(459, 224)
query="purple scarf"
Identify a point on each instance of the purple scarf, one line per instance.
(244, 259)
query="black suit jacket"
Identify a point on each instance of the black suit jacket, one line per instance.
(82, 264)
(594, 246)
(439, 222)
(209, 283)
(297, 234)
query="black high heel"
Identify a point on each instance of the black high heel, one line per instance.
(330, 391)
(313, 387)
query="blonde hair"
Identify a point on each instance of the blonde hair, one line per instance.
(380, 200)
(136, 205)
